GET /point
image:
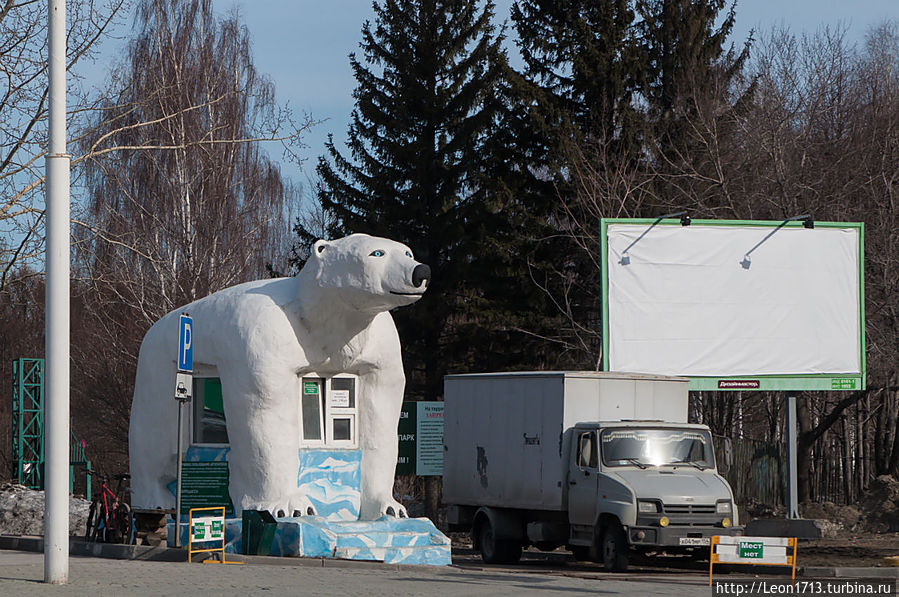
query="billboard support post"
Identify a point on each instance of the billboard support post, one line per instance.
(793, 472)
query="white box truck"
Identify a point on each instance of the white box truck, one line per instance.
(602, 463)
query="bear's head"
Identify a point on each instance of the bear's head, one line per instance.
(368, 273)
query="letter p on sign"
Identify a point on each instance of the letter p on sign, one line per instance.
(186, 344)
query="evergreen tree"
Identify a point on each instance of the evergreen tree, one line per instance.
(428, 166)
(583, 64)
(582, 68)
(688, 59)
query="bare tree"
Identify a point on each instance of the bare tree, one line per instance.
(23, 112)
(182, 200)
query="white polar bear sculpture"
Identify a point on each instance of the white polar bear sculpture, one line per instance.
(333, 317)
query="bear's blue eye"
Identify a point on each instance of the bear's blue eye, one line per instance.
(378, 253)
(408, 254)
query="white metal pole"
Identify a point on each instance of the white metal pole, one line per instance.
(56, 337)
(793, 485)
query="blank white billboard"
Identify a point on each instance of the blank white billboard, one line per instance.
(686, 300)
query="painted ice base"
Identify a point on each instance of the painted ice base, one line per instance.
(387, 539)
(332, 480)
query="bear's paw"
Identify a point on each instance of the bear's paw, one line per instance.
(392, 508)
(294, 505)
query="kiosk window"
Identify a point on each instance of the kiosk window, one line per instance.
(208, 412)
(312, 404)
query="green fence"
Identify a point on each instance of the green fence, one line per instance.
(756, 470)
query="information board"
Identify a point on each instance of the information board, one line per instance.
(429, 444)
(420, 434)
(205, 484)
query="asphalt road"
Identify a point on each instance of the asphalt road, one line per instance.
(22, 573)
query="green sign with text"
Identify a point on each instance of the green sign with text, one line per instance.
(205, 484)
(751, 550)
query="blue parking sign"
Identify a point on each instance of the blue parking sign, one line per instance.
(186, 344)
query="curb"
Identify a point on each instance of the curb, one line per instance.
(849, 572)
(170, 554)
(97, 550)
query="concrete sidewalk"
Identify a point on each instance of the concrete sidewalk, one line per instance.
(21, 573)
(122, 570)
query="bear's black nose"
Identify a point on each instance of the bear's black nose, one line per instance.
(421, 273)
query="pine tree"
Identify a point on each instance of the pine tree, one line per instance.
(583, 64)
(427, 166)
(582, 68)
(688, 59)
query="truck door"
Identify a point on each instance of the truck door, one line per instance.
(583, 479)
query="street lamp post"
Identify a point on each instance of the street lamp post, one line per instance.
(56, 337)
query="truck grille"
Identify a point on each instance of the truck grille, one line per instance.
(690, 514)
(689, 509)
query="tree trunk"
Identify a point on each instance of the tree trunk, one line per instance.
(432, 498)
(847, 461)
(894, 453)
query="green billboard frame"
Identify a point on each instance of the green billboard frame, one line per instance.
(798, 382)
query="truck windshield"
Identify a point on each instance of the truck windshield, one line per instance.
(657, 447)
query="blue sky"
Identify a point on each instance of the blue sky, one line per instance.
(303, 45)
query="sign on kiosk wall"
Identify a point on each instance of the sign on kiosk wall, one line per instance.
(735, 305)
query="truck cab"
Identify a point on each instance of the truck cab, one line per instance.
(647, 485)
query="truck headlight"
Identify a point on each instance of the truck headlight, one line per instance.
(648, 507)
(723, 508)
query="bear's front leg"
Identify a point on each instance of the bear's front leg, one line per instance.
(262, 418)
(381, 399)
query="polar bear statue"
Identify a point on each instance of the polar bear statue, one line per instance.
(262, 337)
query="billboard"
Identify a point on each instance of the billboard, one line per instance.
(735, 305)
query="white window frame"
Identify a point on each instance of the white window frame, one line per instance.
(323, 403)
(335, 412)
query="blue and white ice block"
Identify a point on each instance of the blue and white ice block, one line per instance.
(388, 539)
(332, 480)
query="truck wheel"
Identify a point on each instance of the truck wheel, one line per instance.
(495, 551)
(614, 549)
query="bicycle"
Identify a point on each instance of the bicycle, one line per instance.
(110, 519)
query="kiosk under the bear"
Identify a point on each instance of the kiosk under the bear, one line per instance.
(296, 392)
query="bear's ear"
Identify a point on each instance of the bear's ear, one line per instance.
(319, 246)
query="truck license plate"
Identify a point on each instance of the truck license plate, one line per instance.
(695, 541)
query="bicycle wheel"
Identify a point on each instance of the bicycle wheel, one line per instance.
(124, 520)
(90, 531)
